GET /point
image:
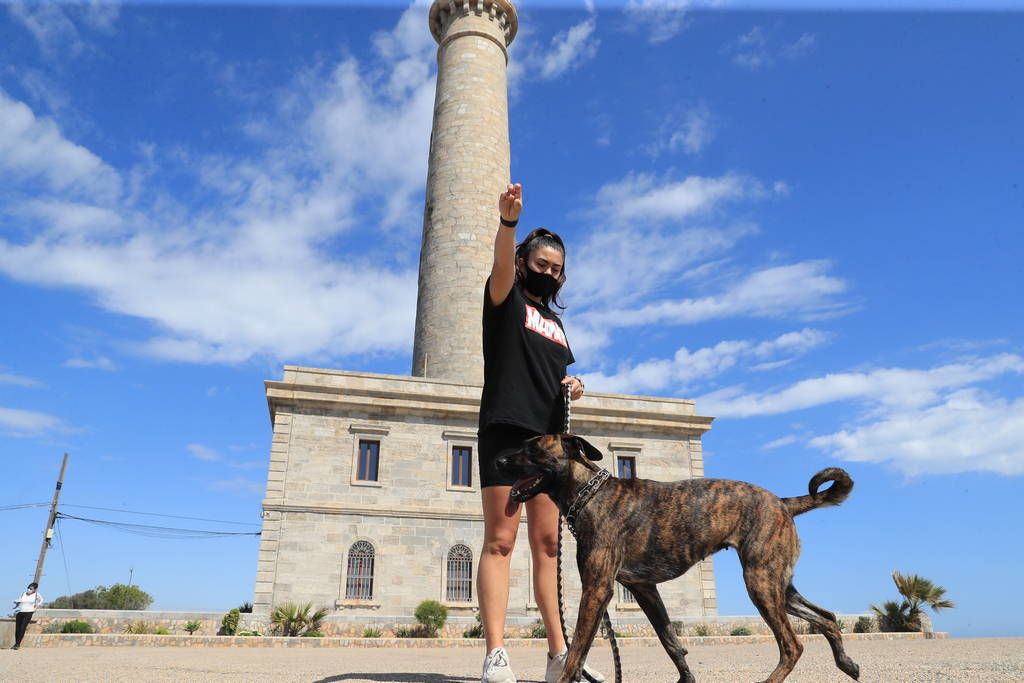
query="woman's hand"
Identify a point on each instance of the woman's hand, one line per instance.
(510, 203)
(575, 387)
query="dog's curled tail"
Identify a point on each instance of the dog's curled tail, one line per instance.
(842, 484)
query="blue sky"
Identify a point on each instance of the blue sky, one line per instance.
(809, 221)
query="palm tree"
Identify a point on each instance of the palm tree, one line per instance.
(917, 592)
(290, 619)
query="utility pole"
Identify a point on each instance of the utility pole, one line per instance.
(48, 534)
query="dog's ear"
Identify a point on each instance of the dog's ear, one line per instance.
(583, 446)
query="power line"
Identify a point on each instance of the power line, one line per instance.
(158, 531)
(67, 572)
(155, 514)
(22, 506)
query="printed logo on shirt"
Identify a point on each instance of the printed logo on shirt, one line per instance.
(548, 329)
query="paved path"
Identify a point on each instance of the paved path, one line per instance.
(989, 660)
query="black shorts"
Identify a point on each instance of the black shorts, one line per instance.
(495, 441)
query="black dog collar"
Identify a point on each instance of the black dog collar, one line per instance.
(583, 497)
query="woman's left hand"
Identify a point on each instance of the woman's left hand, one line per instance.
(575, 387)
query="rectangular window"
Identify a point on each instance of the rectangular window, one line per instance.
(369, 458)
(462, 457)
(627, 595)
(627, 468)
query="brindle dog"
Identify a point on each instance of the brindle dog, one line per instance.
(641, 532)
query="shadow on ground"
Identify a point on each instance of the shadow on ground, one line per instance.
(399, 678)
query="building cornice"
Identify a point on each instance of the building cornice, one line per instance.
(372, 511)
(399, 395)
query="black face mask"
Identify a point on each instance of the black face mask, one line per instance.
(540, 285)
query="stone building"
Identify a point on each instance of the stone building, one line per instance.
(372, 503)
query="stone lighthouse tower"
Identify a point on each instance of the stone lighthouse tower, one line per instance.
(373, 502)
(467, 170)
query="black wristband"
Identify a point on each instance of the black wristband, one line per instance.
(509, 224)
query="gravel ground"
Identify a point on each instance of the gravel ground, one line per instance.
(988, 660)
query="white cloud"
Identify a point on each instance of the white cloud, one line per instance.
(642, 197)
(967, 430)
(49, 25)
(34, 149)
(97, 363)
(678, 374)
(696, 132)
(887, 388)
(802, 290)
(787, 440)
(599, 270)
(204, 453)
(569, 49)
(755, 49)
(19, 380)
(566, 51)
(55, 25)
(800, 47)
(689, 132)
(269, 264)
(23, 423)
(661, 19)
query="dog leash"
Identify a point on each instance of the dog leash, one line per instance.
(581, 500)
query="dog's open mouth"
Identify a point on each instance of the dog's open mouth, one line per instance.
(526, 488)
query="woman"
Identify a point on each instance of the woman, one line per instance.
(525, 357)
(25, 607)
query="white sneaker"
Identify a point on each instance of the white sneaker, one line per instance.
(557, 663)
(496, 668)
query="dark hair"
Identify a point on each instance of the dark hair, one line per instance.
(542, 237)
(33, 585)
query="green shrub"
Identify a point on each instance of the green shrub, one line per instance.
(192, 627)
(702, 630)
(76, 626)
(229, 624)
(245, 608)
(812, 628)
(431, 614)
(740, 631)
(413, 632)
(53, 627)
(538, 630)
(371, 632)
(290, 619)
(249, 633)
(161, 631)
(476, 630)
(313, 633)
(141, 628)
(864, 625)
(118, 596)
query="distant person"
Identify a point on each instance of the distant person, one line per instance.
(526, 354)
(24, 608)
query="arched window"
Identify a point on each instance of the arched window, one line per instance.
(359, 581)
(460, 574)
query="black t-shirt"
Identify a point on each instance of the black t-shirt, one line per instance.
(525, 357)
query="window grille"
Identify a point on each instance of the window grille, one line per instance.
(359, 581)
(460, 574)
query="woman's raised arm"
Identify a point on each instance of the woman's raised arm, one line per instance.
(503, 271)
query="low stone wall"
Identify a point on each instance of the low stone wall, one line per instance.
(344, 626)
(6, 632)
(42, 640)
